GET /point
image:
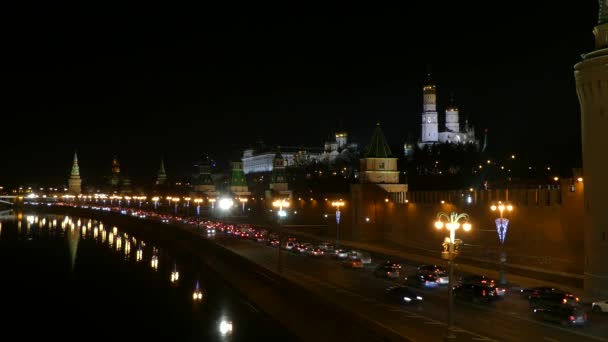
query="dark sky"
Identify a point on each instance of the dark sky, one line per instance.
(155, 78)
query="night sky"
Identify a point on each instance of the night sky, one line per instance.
(158, 78)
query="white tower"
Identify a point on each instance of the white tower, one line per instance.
(429, 114)
(341, 139)
(452, 123)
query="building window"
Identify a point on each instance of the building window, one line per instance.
(381, 165)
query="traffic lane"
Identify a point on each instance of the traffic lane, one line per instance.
(507, 313)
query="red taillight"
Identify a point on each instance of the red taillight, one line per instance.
(497, 291)
(572, 318)
(483, 292)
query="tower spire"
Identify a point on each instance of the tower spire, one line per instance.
(162, 175)
(74, 182)
(75, 168)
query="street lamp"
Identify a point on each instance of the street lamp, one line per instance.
(337, 204)
(212, 201)
(243, 201)
(198, 202)
(155, 200)
(175, 200)
(281, 214)
(501, 228)
(451, 248)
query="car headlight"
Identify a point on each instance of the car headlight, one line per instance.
(407, 299)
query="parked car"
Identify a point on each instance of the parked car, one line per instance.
(600, 306)
(403, 294)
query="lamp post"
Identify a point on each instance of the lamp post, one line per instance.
(175, 200)
(155, 200)
(225, 204)
(281, 214)
(212, 201)
(501, 228)
(243, 201)
(337, 204)
(451, 248)
(198, 202)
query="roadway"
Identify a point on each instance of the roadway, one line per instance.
(509, 319)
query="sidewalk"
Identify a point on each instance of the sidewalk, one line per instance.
(532, 276)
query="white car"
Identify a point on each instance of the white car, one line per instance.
(600, 306)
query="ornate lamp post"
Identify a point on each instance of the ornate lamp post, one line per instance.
(501, 228)
(451, 248)
(337, 204)
(212, 201)
(281, 214)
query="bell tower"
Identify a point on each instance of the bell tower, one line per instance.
(429, 112)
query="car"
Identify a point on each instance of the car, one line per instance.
(484, 280)
(389, 263)
(326, 246)
(403, 294)
(552, 298)
(566, 315)
(430, 280)
(541, 290)
(340, 254)
(315, 252)
(352, 263)
(304, 247)
(366, 258)
(600, 306)
(387, 271)
(474, 292)
(441, 273)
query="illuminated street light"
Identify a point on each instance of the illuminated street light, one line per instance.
(198, 202)
(451, 248)
(281, 214)
(243, 201)
(501, 228)
(337, 204)
(226, 203)
(212, 201)
(155, 200)
(176, 201)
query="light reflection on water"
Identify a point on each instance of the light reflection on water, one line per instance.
(98, 256)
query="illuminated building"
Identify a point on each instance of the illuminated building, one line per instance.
(74, 182)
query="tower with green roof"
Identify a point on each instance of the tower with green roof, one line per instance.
(378, 164)
(238, 183)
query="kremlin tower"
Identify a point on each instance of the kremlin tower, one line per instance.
(591, 76)
(74, 182)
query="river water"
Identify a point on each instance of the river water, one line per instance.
(73, 278)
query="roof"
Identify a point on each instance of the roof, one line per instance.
(378, 147)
